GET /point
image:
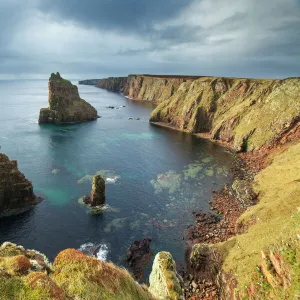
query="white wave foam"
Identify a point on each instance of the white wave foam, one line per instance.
(100, 251)
(112, 179)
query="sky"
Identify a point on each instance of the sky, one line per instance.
(100, 38)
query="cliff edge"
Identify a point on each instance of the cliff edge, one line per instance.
(65, 104)
(16, 192)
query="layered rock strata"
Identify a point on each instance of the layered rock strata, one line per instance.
(65, 104)
(16, 192)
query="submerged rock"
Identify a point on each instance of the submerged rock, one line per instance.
(16, 192)
(97, 196)
(138, 256)
(65, 104)
(165, 283)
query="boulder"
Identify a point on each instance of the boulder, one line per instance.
(243, 192)
(97, 196)
(165, 283)
(16, 192)
(65, 104)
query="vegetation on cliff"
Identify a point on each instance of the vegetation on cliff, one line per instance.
(27, 274)
(65, 104)
(247, 113)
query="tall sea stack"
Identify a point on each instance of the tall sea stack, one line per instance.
(65, 104)
(16, 192)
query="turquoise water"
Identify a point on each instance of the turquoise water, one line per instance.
(155, 177)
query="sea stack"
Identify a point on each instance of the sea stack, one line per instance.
(16, 192)
(65, 104)
(97, 196)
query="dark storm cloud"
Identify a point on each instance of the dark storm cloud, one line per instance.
(121, 15)
(115, 37)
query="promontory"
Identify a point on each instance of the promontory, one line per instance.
(16, 192)
(65, 104)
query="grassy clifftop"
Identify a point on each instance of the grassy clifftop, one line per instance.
(247, 113)
(27, 274)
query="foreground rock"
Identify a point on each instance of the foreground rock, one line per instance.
(16, 192)
(138, 256)
(165, 283)
(65, 104)
(97, 196)
(27, 274)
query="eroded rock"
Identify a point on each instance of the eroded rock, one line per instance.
(16, 192)
(165, 283)
(97, 196)
(65, 104)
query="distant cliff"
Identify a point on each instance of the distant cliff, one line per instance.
(89, 82)
(245, 113)
(65, 104)
(16, 192)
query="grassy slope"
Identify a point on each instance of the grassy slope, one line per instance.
(277, 219)
(74, 276)
(247, 113)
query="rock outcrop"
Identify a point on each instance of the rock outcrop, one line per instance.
(27, 274)
(16, 192)
(164, 281)
(138, 256)
(113, 84)
(65, 104)
(97, 196)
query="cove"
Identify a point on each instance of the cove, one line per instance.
(156, 177)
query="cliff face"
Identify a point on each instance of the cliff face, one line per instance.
(156, 88)
(89, 82)
(113, 84)
(65, 105)
(16, 192)
(247, 113)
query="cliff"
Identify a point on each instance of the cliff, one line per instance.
(27, 274)
(65, 105)
(89, 82)
(16, 192)
(156, 88)
(246, 113)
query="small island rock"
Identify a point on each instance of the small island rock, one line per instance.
(97, 196)
(65, 104)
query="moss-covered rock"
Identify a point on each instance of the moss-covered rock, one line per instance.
(165, 283)
(85, 277)
(65, 104)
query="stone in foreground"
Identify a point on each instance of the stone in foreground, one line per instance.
(165, 283)
(65, 104)
(97, 197)
(16, 192)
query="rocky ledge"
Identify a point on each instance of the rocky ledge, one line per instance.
(65, 104)
(16, 192)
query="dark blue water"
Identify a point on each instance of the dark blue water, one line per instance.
(157, 177)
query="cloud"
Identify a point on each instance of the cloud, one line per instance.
(96, 38)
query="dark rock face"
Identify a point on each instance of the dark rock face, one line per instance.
(16, 192)
(65, 104)
(89, 82)
(113, 84)
(138, 256)
(97, 197)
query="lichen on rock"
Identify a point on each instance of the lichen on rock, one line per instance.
(65, 104)
(165, 283)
